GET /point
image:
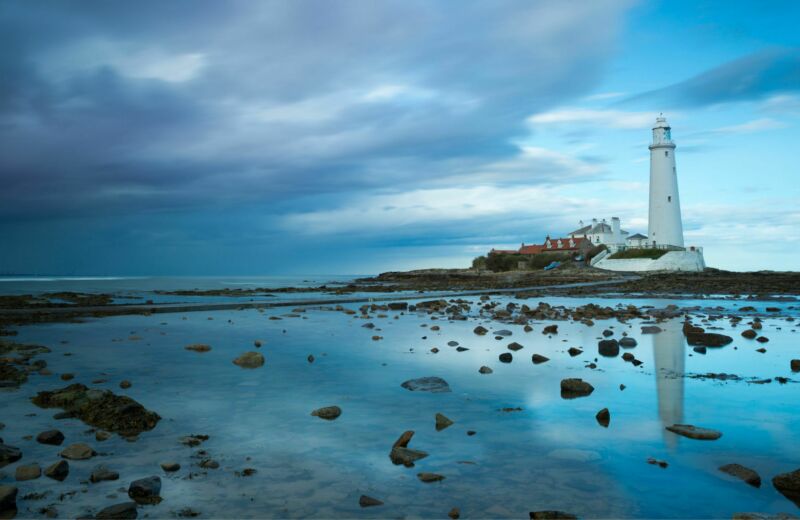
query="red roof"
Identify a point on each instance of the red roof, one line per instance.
(530, 250)
(565, 244)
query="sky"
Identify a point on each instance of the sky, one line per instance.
(351, 136)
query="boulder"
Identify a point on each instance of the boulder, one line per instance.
(57, 471)
(124, 511)
(328, 413)
(550, 329)
(170, 467)
(695, 432)
(427, 384)
(102, 473)
(9, 454)
(101, 435)
(8, 498)
(515, 346)
(145, 490)
(397, 306)
(367, 501)
(608, 347)
(480, 331)
(125, 384)
(707, 339)
(485, 370)
(506, 357)
(198, 347)
(573, 351)
(575, 387)
(52, 437)
(100, 408)
(651, 329)
(627, 356)
(402, 454)
(795, 365)
(78, 451)
(743, 473)
(454, 513)
(603, 417)
(29, 472)
(627, 342)
(788, 484)
(430, 477)
(249, 360)
(749, 334)
(538, 359)
(442, 422)
(503, 333)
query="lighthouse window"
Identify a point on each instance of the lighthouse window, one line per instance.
(666, 153)
(669, 198)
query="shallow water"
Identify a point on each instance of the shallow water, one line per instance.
(550, 455)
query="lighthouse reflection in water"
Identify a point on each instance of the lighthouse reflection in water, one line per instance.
(669, 357)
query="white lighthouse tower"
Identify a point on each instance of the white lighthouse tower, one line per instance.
(665, 227)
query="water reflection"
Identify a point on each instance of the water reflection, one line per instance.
(669, 357)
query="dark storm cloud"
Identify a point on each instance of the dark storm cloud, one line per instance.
(752, 77)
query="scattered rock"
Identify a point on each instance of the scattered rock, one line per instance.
(627, 342)
(402, 454)
(515, 346)
(57, 471)
(461, 349)
(708, 339)
(29, 472)
(52, 437)
(550, 329)
(788, 484)
(67, 377)
(651, 329)
(442, 422)
(485, 370)
(8, 498)
(198, 347)
(506, 357)
(575, 387)
(454, 513)
(125, 384)
(101, 474)
(427, 384)
(170, 467)
(603, 417)
(795, 365)
(145, 490)
(503, 333)
(627, 356)
(749, 334)
(538, 359)
(763, 516)
(452, 343)
(762, 339)
(124, 511)
(695, 432)
(480, 331)
(656, 462)
(699, 350)
(310, 358)
(551, 515)
(743, 473)
(574, 351)
(78, 451)
(209, 464)
(101, 435)
(9, 454)
(100, 408)
(328, 413)
(193, 440)
(367, 501)
(762, 350)
(249, 360)
(608, 347)
(430, 477)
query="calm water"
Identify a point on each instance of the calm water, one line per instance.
(550, 455)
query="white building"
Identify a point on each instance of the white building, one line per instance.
(601, 232)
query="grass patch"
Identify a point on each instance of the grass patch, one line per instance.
(638, 253)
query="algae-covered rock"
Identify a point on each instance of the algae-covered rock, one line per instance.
(100, 408)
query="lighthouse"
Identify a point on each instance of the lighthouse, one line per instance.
(664, 225)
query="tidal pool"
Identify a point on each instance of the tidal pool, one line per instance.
(550, 455)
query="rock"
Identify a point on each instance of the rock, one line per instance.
(707, 339)
(608, 347)
(401, 454)
(788, 484)
(209, 464)
(656, 462)
(485, 370)
(78, 451)
(695, 432)
(57, 471)
(627, 342)
(454, 513)
(627, 356)
(328, 413)
(367, 501)
(452, 343)
(198, 347)
(442, 422)
(435, 350)
(249, 360)
(574, 387)
(603, 417)
(607, 333)
(193, 440)
(100, 408)
(170, 467)
(124, 511)
(430, 477)
(749, 334)
(29, 472)
(762, 339)
(67, 377)
(506, 357)
(651, 329)
(397, 306)
(538, 359)
(480, 331)
(9, 454)
(743, 473)
(310, 358)
(145, 490)
(515, 346)
(461, 349)
(125, 384)
(550, 329)
(257, 343)
(574, 351)
(763, 516)
(101, 435)
(761, 350)
(700, 350)
(8, 498)
(52, 437)
(551, 515)
(102, 473)
(404, 439)
(795, 365)
(527, 328)
(427, 384)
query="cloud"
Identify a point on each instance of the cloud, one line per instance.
(756, 76)
(756, 125)
(604, 118)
